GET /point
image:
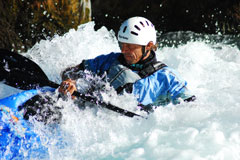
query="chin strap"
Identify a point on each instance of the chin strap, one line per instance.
(144, 52)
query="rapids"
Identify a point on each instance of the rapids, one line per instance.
(207, 129)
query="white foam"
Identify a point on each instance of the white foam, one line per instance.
(208, 128)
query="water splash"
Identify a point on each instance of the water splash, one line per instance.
(208, 128)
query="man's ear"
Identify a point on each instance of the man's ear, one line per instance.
(149, 45)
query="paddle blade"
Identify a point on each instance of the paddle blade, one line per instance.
(20, 72)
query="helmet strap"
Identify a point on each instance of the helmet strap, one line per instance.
(144, 53)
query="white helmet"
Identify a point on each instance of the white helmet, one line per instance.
(137, 30)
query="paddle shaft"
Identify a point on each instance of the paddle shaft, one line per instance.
(96, 101)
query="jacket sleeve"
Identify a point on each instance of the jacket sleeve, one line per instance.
(160, 88)
(97, 65)
(101, 63)
(73, 72)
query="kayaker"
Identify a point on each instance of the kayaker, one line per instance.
(136, 69)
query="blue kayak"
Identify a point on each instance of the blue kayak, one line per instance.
(17, 139)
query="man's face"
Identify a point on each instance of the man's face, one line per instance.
(132, 52)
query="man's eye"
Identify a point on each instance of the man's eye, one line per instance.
(132, 47)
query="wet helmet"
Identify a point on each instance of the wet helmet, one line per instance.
(137, 30)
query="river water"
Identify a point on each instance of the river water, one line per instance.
(207, 129)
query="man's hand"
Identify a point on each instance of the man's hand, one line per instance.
(68, 86)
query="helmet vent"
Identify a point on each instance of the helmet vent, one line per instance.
(142, 24)
(137, 27)
(147, 23)
(124, 29)
(134, 33)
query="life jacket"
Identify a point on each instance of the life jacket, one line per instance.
(122, 76)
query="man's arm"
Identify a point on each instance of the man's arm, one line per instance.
(73, 72)
(97, 66)
(69, 76)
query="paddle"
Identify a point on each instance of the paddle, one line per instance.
(22, 73)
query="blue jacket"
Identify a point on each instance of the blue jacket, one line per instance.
(160, 88)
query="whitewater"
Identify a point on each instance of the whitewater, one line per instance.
(207, 129)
